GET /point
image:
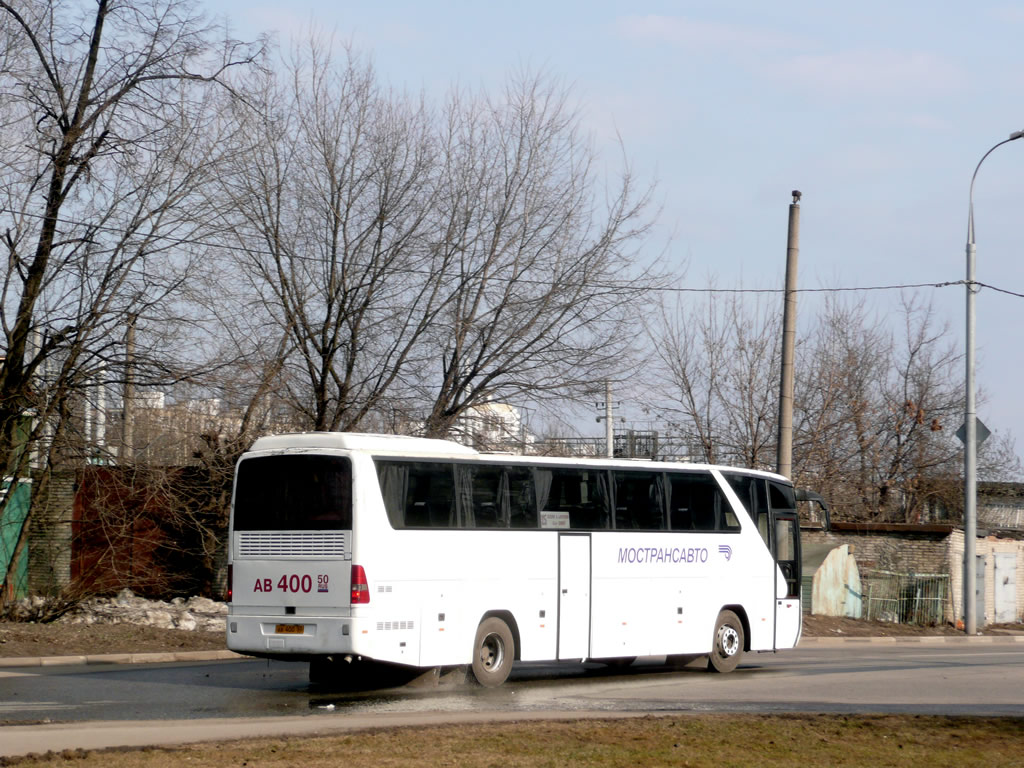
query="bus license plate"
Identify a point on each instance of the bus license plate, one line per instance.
(289, 629)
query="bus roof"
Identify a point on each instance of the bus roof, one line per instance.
(403, 445)
(354, 441)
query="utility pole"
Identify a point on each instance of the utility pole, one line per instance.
(784, 463)
(127, 415)
(101, 413)
(608, 418)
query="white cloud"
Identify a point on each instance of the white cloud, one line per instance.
(874, 72)
(693, 33)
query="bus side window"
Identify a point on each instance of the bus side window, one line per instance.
(430, 495)
(782, 496)
(580, 492)
(593, 510)
(696, 503)
(486, 497)
(520, 497)
(639, 500)
(727, 520)
(702, 503)
(680, 504)
(393, 477)
(751, 492)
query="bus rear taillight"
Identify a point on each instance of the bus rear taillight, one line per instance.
(360, 589)
(231, 583)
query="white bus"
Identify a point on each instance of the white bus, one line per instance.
(429, 554)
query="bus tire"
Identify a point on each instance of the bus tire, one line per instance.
(494, 650)
(727, 646)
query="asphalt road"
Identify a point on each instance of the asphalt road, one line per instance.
(50, 708)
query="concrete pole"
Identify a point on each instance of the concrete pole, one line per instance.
(88, 418)
(101, 412)
(609, 425)
(784, 457)
(128, 404)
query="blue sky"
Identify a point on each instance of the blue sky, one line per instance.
(877, 112)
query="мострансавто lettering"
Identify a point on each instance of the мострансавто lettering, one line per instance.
(663, 555)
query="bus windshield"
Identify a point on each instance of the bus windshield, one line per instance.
(298, 492)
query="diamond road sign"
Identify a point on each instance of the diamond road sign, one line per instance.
(981, 432)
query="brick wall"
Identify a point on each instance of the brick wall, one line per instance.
(902, 552)
(929, 549)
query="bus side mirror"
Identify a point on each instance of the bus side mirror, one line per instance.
(802, 494)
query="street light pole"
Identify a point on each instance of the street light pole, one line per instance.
(971, 417)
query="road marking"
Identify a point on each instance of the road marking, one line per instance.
(33, 706)
(981, 652)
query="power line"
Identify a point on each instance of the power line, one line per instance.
(1000, 290)
(169, 240)
(895, 287)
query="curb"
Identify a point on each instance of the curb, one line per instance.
(119, 658)
(922, 639)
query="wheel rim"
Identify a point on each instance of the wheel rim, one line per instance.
(728, 640)
(492, 652)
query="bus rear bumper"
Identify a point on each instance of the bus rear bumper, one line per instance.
(292, 636)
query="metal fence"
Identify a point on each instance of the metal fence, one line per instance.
(905, 598)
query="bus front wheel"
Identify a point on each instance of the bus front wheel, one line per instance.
(728, 643)
(493, 652)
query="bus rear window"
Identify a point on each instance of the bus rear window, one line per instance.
(305, 492)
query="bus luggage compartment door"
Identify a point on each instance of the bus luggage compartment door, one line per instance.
(573, 596)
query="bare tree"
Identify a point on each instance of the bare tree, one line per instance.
(546, 282)
(719, 373)
(417, 263)
(105, 139)
(329, 206)
(876, 408)
(691, 346)
(841, 372)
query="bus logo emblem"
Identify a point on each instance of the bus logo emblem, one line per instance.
(726, 550)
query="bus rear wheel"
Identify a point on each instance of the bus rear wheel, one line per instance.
(728, 643)
(494, 650)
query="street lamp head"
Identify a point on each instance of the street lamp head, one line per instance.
(1016, 135)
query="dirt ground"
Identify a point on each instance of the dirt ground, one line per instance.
(60, 639)
(830, 626)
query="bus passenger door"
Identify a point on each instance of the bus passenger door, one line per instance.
(573, 596)
(786, 548)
